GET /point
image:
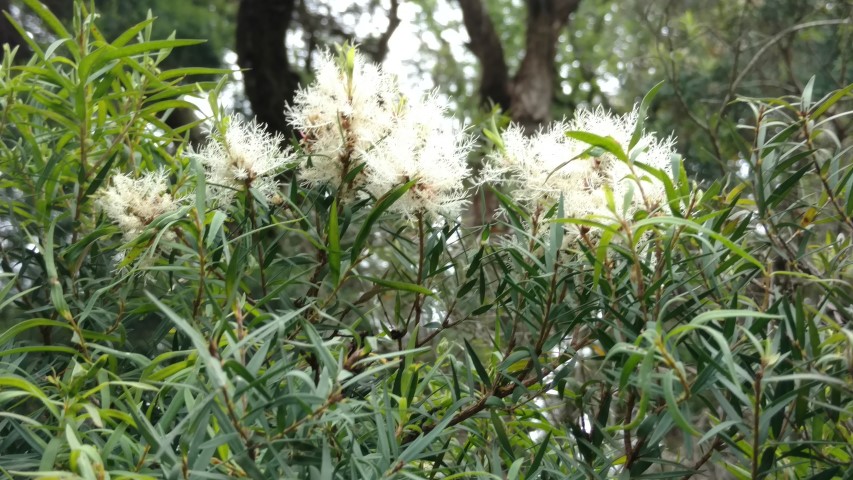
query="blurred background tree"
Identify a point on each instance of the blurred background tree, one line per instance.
(537, 59)
(212, 20)
(552, 58)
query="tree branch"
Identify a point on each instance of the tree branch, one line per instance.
(393, 23)
(778, 37)
(486, 46)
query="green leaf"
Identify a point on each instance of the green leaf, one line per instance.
(838, 95)
(556, 240)
(56, 294)
(779, 192)
(400, 286)
(672, 195)
(673, 407)
(201, 198)
(806, 103)
(540, 454)
(99, 178)
(641, 115)
(381, 206)
(503, 439)
(202, 347)
(190, 71)
(607, 143)
(711, 315)
(420, 444)
(334, 248)
(14, 330)
(700, 229)
(601, 256)
(478, 366)
(107, 53)
(6, 301)
(515, 469)
(494, 138)
(131, 32)
(32, 390)
(49, 18)
(558, 167)
(151, 45)
(327, 359)
(215, 227)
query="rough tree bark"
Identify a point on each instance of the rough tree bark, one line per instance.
(527, 94)
(269, 81)
(486, 46)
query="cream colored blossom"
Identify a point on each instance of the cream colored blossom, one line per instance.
(426, 146)
(243, 155)
(133, 203)
(351, 106)
(547, 165)
(354, 117)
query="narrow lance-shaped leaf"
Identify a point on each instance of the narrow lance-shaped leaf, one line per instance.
(415, 448)
(641, 115)
(214, 368)
(334, 248)
(607, 143)
(56, 294)
(739, 251)
(832, 100)
(395, 285)
(478, 366)
(381, 206)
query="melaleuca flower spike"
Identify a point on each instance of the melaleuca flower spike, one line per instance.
(351, 106)
(354, 117)
(242, 155)
(133, 203)
(547, 165)
(424, 146)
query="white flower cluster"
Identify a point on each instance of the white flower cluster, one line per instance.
(133, 203)
(426, 147)
(351, 105)
(354, 116)
(243, 155)
(543, 167)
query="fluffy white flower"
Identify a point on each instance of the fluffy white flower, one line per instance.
(354, 116)
(543, 167)
(133, 203)
(425, 146)
(244, 155)
(351, 105)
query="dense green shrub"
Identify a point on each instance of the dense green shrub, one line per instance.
(317, 311)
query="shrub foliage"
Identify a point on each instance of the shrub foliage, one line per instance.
(318, 331)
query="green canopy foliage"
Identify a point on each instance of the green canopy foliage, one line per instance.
(164, 313)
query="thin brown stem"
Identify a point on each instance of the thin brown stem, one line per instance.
(833, 199)
(756, 421)
(232, 415)
(717, 445)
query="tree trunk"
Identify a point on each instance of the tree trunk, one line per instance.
(269, 81)
(9, 35)
(532, 88)
(527, 95)
(486, 46)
